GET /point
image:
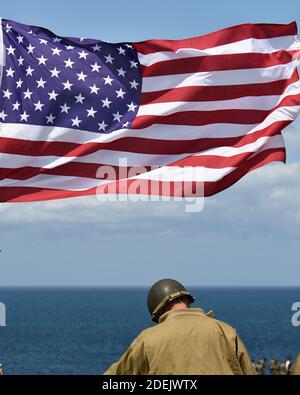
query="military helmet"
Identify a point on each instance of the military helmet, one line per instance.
(163, 292)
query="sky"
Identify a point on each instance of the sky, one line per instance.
(247, 235)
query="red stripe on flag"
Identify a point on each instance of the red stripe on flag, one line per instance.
(221, 37)
(219, 162)
(30, 194)
(199, 118)
(257, 161)
(73, 169)
(212, 93)
(217, 63)
(89, 170)
(136, 145)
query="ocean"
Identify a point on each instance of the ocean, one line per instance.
(84, 330)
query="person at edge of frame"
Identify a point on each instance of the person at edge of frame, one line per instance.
(296, 367)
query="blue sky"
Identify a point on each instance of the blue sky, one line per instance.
(247, 235)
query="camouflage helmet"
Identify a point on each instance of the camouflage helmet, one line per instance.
(163, 292)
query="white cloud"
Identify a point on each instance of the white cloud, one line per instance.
(292, 133)
(267, 199)
(87, 210)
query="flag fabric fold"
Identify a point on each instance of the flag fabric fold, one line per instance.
(83, 116)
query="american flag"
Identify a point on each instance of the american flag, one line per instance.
(148, 110)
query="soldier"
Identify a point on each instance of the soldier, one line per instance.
(288, 365)
(274, 367)
(260, 367)
(282, 371)
(296, 367)
(185, 341)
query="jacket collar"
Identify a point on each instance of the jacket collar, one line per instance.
(180, 312)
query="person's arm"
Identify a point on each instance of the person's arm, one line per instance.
(244, 359)
(133, 362)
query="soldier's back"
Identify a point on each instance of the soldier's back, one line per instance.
(189, 342)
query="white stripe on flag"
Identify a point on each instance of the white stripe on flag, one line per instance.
(261, 143)
(243, 46)
(245, 102)
(155, 132)
(119, 158)
(110, 158)
(224, 77)
(82, 183)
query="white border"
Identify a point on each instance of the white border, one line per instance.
(1, 51)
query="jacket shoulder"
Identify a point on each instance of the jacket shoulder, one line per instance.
(227, 329)
(148, 332)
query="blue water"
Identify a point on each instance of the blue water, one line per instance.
(84, 330)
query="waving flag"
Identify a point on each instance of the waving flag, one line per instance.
(147, 110)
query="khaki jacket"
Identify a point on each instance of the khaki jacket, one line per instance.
(185, 341)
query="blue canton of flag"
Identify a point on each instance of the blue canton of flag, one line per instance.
(67, 82)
